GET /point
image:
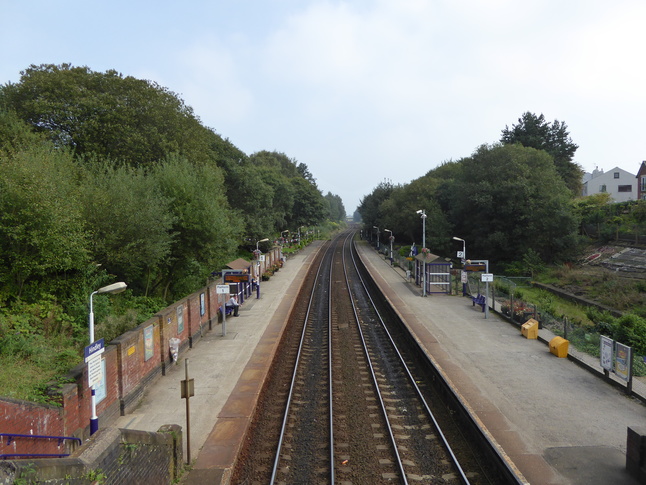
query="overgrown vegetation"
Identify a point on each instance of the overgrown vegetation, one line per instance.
(108, 178)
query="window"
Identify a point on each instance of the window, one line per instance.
(625, 188)
(616, 174)
(602, 189)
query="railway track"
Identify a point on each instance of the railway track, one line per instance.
(343, 404)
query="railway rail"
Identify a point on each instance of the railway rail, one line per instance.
(348, 401)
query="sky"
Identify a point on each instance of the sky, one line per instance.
(364, 92)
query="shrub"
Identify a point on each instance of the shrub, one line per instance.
(630, 329)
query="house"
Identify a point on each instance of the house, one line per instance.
(641, 182)
(620, 184)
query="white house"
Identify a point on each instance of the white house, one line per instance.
(620, 184)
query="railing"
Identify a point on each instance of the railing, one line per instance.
(11, 437)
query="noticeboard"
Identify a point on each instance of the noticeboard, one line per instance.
(607, 345)
(474, 267)
(235, 278)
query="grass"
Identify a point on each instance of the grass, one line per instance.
(556, 306)
(20, 379)
(601, 285)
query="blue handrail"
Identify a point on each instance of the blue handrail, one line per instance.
(10, 438)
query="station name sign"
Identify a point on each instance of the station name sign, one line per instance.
(94, 349)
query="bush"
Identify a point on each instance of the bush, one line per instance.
(630, 329)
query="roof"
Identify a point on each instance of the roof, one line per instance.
(429, 258)
(239, 263)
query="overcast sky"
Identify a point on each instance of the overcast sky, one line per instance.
(364, 91)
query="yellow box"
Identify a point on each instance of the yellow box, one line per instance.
(559, 346)
(530, 329)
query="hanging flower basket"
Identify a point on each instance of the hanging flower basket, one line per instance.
(425, 252)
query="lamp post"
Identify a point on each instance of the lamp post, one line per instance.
(113, 288)
(422, 213)
(258, 278)
(375, 227)
(258, 242)
(391, 239)
(463, 258)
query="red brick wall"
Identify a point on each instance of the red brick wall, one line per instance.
(127, 374)
(21, 417)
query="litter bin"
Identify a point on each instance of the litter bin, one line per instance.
(174, 348)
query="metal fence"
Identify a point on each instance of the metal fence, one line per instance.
(506, 301)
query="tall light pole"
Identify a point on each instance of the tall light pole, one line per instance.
(113, 288)
(375, 227)
(422, 213)
(258, 242)
(391, 239)
(463, 258)
(258, 278)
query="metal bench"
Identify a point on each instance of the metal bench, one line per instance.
(479, 300)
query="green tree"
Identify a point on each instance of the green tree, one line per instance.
(15, 134)
(42, 232)
(369, 207)
(309, 205)
(130, 220)
(107, 114)
(399, 214)
(206, 230)
(509, 199)
(337, 211)
(534, 132)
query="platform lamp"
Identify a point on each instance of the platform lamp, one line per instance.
(422, 214)
(391, 239)
(258, 278)
(113, 288)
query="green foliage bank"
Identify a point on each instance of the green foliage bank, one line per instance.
(108, 178)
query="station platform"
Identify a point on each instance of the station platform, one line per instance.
(557, 423)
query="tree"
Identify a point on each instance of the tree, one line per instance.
(337, 211)
(309, 205)
(399, 213)
(369, 207)
(130, 220)
(534, 132)
(206, 230)
(107, 114)
(509, 199)
(42, 232)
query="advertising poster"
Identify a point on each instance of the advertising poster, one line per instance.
(622, 362)
(180, 319)
(149, 345)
